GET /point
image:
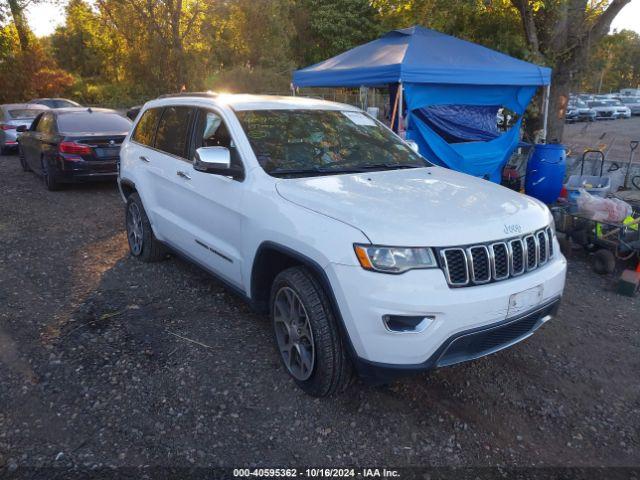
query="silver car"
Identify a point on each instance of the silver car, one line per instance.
(633, 103)
(12, 115)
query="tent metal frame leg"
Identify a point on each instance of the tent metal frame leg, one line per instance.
(545, 114)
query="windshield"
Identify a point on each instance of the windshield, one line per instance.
(308, 142)
(597, 104)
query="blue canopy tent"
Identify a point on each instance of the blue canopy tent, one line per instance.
(452, 89)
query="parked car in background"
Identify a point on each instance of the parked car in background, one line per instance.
(604, 111)
(622, 111)
(579, 111)
(366, 256)
(631, 92)
(55, 102)
(12, 116)
(73, 144)
(632, 103)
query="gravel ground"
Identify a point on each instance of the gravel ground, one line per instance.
(105, 361)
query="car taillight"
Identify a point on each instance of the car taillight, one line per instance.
(75, 148)
(4, 126)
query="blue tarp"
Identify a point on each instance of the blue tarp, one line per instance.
(439, 71)
(461, 123)
(479, 158)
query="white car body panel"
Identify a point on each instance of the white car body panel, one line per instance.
(210, 217)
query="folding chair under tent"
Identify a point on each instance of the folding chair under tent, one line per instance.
(452, 89)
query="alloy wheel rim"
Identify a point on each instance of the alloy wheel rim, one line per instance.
(293, 333)
(134, 228)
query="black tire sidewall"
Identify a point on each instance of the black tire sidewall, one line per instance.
(604, 262)
(152, 250)
(328, 345)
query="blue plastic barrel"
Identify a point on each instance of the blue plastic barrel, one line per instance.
(545, 172)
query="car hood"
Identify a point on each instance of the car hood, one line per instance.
(424, 206)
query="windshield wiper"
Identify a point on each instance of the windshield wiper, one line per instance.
(390, 166)
(313, 171)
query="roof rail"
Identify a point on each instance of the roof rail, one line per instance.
(189, 94)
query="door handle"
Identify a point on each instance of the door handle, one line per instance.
(182, 174)
(144, 159)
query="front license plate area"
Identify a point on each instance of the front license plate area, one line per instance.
(524, 301)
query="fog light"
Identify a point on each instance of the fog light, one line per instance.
(407, 323)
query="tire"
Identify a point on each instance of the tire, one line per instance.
(49, 179)
(604, 262)
(143, 244)
(23, 161)
(328, 367)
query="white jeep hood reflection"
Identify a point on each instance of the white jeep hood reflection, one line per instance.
(419, 207)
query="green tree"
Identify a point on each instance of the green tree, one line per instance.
(324, 28)
(561, 34)
(78, 45)
(614, 63)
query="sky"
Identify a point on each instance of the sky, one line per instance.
(45, 17)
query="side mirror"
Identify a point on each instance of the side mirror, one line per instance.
(413, 145)
(215, 160)
(21, 128)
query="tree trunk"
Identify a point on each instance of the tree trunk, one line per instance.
(561, 83)
(17, 12)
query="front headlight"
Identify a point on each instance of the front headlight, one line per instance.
(394, 259)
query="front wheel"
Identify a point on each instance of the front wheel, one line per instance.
(307, 335)
(143, 244)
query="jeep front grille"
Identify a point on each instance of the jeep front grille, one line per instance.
(484, 263)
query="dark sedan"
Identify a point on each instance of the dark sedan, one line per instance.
(73, 144)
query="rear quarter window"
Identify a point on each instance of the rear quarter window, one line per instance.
(145, 130)
(93, 122)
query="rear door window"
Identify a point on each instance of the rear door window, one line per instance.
(97, 122)
(173, 129)
(145, 131)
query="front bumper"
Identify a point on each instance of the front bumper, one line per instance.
(364, 298)
(468, 345)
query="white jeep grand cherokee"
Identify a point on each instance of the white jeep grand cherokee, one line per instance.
(367, 257)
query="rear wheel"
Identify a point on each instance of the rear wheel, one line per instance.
(143, 244)
(23, 161)
(48, 176)
(604, 262)
(307, 335)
